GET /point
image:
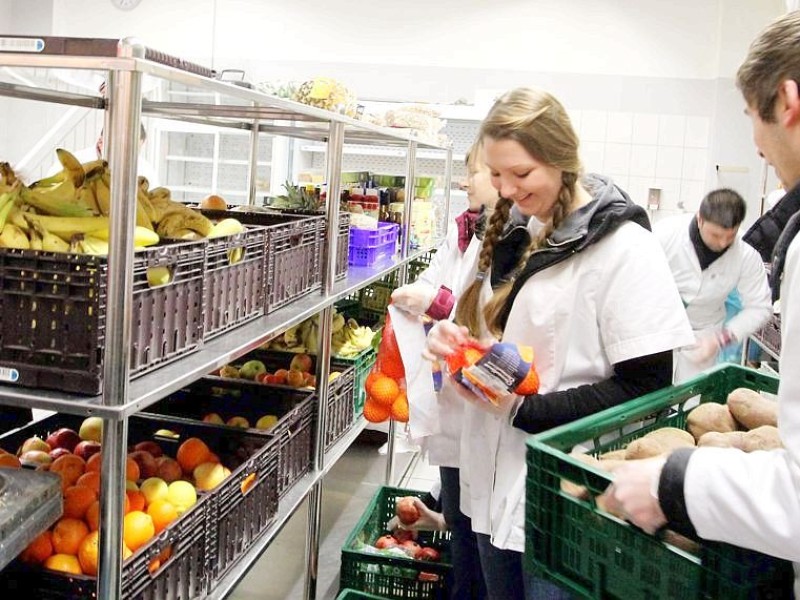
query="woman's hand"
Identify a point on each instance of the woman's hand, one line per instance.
(443, 339)
(428, 520)
(634, 493)
(414, 298)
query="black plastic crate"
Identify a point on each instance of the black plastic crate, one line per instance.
(769, 336)
(52, 333)
(294, 252)
(341, 389)
(390, 576)
(596, 555)
(234, 281)
(238, 397)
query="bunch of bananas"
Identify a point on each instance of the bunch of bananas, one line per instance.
(68, 211)
(348, 338)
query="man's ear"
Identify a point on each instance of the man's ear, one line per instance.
(788, 105)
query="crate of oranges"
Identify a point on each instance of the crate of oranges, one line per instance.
(173, 475)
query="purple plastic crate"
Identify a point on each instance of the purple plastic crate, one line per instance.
(366, 257)
(373, 238)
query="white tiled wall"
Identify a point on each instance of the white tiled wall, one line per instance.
(642, 151)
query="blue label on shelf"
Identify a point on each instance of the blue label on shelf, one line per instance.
(7, 374)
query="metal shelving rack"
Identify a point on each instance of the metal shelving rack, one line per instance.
(239, 108)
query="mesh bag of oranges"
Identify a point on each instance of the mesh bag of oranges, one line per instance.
(493, 372)
(385, 385)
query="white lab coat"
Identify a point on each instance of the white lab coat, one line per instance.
(704, 291)
(753, 500)
(439, 436)
(614, 301)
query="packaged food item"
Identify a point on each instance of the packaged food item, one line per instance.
(495, 372)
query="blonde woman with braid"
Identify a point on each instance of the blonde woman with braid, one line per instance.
(592, 293)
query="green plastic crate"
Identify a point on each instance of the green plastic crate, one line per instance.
(598, 556)
(418, 265)
(356, 595)
(362, 365)
(388, 576)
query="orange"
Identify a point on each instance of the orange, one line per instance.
(137, 529)
(126, 552)
(399, 409)
(376, 412)
(77, 500)
(92, 516)
(384, 390)
(91, 480)
(9, 461)
(393, 366)
(136, 499)
(529, 385)
(67, 563)
(39, 549)
(68, 535)
(163, 513)
(87, 553)
(69, 467)
(93, 464)
(191, 453)
(132, 472)
(373, 375)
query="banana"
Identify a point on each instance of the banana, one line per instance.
(58, 194)
(66, 227)
(7, 204)
(142, 236)
(103, 194)
(12, 236)
(93, 245)
(86, 196)
(290, 336)
(92, 167)
(7, 175)
(186, 234)
(158, 276)
(338, 323)
(185, 218)
(144, 206)
(226, 227)
(50, 242)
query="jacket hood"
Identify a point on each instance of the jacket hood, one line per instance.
(609, 208)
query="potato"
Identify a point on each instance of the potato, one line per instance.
(671, 438)
(614, 455)
(644, 447)
(710, 416)
(580, 491)
(765, 437)
(751, 409)
(715, 439)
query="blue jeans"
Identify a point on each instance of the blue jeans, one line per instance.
(467, 575)
(505, 580)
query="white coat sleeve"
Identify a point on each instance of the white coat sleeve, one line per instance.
(434, 275)
(753, 500)
(755, 294)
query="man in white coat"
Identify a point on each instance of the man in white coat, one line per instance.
(708, 260)
(750, 500)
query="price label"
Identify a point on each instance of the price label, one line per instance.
(7, 374)
(21, 44)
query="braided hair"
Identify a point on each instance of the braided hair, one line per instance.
(540, 124)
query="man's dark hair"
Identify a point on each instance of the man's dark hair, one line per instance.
(723, 207)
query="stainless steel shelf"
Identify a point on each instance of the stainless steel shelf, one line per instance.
(288, 506)
(150, 388)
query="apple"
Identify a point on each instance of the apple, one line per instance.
(146, 462)
(301, 362)
(402, 535)
(407, 510)
(294, 378)
(33, 443)
(386, 541)
(411, 548)
(209, 475)
(63, 438)
(154, 488)
(168, 469)
(238, 422)
(266, 422)
(91, 429)
(58, 452)
(86, 448)
(35, 458)
(213, 418)
(149, 446)
(427, 553)
(251, 368)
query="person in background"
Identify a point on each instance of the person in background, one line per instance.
(592, 294)
(434, 293)
(708, 261)
(750, 500)
(97, 151)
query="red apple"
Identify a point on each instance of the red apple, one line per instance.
(213, 418)
(86, 448)
(385, 541)
(63, 438)
(402, 535)
(54, 454)
(168, 469)
(151, 447)
(33, 443)
(411, 548)
(146, 462)
(431, 554)
(301, 362)
(407, 510)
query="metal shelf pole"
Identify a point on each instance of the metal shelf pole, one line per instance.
(124, 106)
(334, 170)
(252, 174)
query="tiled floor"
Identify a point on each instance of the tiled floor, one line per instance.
(280, 572)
